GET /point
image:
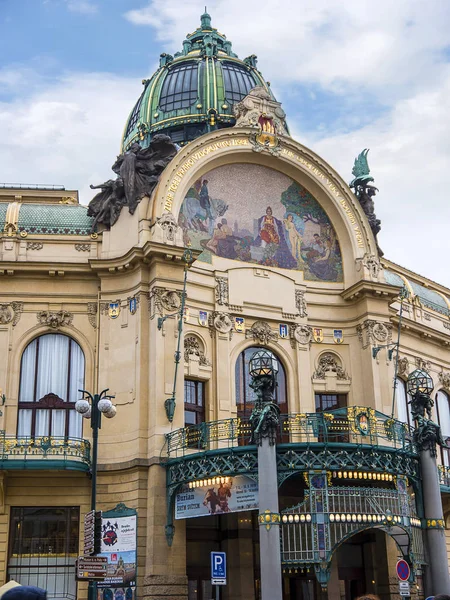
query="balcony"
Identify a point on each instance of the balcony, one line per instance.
(56, 453)
(348, 439)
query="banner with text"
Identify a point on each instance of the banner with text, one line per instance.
(217, 496)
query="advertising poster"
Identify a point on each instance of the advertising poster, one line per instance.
(216, 496)
(119, 542)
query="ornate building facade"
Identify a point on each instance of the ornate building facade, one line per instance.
(282, 256)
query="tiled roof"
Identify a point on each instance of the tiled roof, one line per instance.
(54, 219)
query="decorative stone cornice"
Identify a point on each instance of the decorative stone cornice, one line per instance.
(55, 319)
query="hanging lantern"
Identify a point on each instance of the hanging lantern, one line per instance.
(263, 362)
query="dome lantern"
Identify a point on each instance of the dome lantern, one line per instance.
(193, 91)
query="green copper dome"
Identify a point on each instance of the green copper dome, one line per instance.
(194, 91)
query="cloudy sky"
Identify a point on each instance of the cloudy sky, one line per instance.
(351, 74)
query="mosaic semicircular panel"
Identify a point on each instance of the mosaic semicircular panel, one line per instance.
(257, 215)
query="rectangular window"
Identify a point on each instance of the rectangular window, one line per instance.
(337, 430)
(43, 547)
(194, 411)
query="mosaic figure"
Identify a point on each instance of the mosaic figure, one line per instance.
(253, 214)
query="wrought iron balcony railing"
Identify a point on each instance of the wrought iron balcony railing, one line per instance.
(44, 453)
(351, 425)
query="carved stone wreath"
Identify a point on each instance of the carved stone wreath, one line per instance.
(55, 319)
(261, 332)
(10, 313)
(329, 363)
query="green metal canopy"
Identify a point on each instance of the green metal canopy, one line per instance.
(193, 92)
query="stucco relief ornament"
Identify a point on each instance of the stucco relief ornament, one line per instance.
(222, 322)
(261, 332)
(169, 225)
(55, 319)
(424, 365)
(371, 263)
(374, 332)
(444, 380)
(261, 112)
(403, 366)
(222, 290)
(328, 363)
(300, 303)
(10, 313)
(192, 348)
(301, 334)
(162, 300)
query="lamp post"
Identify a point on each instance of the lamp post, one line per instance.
(99, 404)
(426, 435)
(264, 422)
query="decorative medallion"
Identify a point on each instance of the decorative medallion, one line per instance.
(132, 305)
(239, 324)
(317, 333)
(203, 318)
(338, 336)
(362, 419)
(222, 322)
(113, 310)
(283, 330)
(302, 333)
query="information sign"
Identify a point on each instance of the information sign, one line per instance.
(218, 568)
(92, 568)
(403, 588)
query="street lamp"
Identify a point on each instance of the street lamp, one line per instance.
(100, 404)
(426, 435)
(264, 422)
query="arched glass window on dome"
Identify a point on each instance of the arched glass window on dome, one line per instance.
(403, 407)
(238, 82)
(443, 418)
(51, 373)
(134, 117)
(180, 87)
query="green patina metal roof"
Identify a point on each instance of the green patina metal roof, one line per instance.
(193, 92)
(427, 297)
(54, 219)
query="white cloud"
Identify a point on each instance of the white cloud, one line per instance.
(82, 6)
(68, 133)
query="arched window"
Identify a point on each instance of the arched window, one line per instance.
(51, 373)
(238, 81)
(245, 396)
(403, 407)
(443, 418)
(180, 87)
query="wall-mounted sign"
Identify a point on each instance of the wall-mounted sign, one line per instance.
(224, 495)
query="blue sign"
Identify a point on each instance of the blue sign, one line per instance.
(218, 568)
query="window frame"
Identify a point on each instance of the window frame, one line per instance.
(198, 409)
(49, 401)
(179, 90)
(236, 80)
(445, 452)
